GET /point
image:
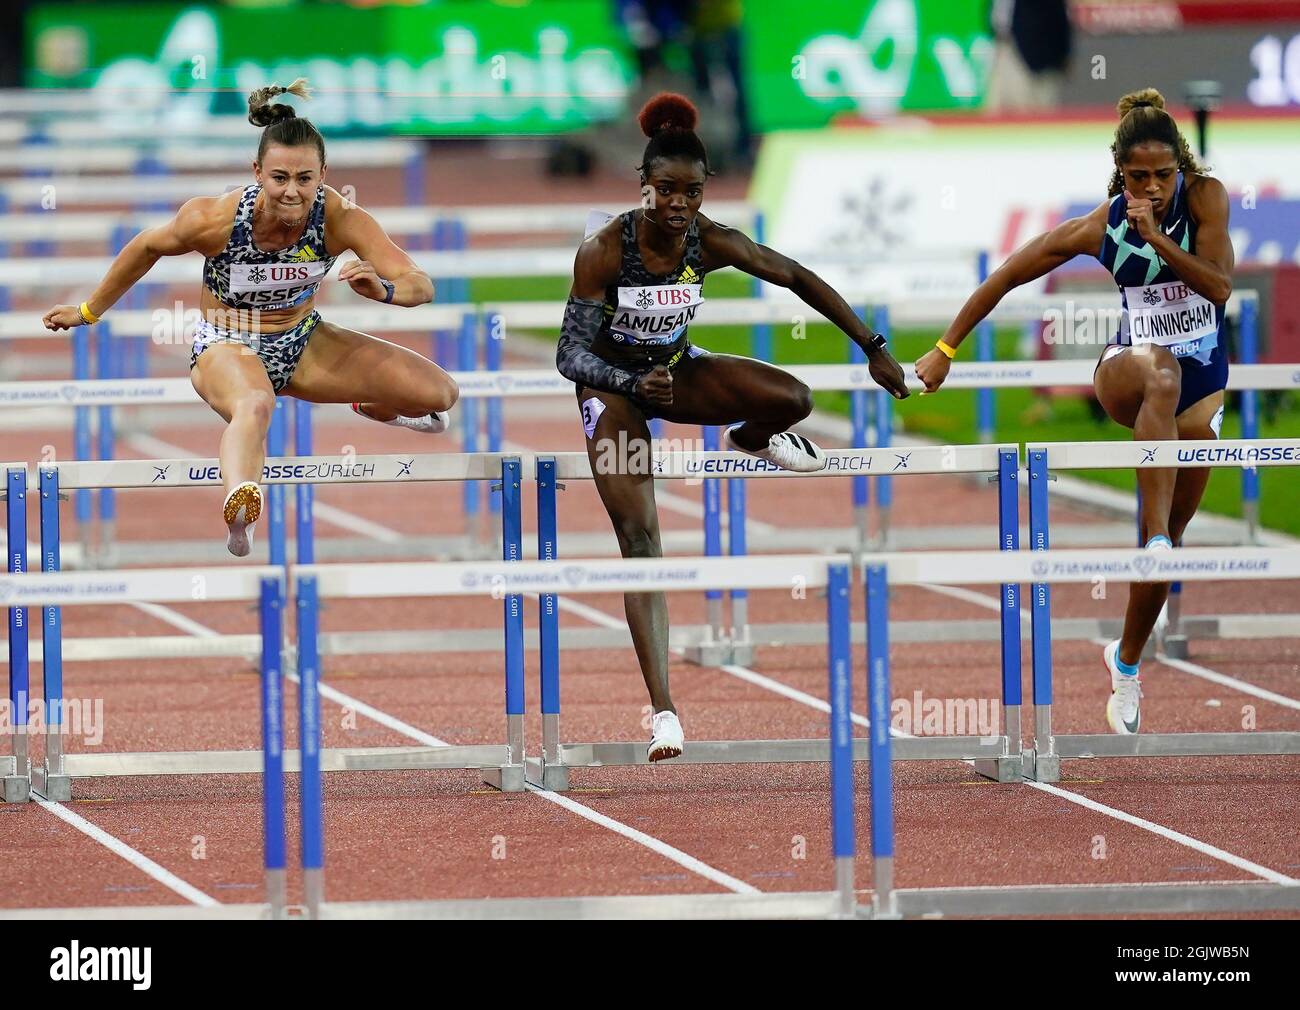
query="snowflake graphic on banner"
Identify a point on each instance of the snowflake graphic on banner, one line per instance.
(873, 218)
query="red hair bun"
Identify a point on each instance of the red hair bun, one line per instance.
(668, 111)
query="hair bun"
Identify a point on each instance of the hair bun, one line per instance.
(668, 111)
(1146, 98)
(262, 113)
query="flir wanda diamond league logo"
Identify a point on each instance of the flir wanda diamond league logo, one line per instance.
(1144, 564)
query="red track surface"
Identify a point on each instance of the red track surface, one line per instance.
(424, 835)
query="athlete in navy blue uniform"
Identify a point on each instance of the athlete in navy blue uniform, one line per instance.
(637, 283)
(1163, 234)
(266, 250)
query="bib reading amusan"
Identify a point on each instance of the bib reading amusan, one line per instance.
(654, 314)
(1170, 315)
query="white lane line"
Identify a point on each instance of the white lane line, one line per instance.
(383, 718)
(679, 857)
(1174, 836)
(1223, 679)
(177, 620)
(355, 523)
(137, 859)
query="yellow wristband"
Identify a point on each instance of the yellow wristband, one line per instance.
(951, 352)
(87, 316)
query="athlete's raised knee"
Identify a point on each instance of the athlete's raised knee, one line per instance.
(798, 402)
(1163, 384)
(637, 540)
(439, 393)
(254, 406)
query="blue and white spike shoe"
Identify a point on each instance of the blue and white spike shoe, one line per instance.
(1124, 708)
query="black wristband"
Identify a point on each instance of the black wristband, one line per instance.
(390, 289)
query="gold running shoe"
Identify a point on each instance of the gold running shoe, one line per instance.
(243, 507)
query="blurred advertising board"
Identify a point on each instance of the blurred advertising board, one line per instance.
(468, 67)
(808, 61)
(1251, 47)
(912, 202)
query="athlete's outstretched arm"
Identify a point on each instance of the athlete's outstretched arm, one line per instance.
(728, 247)
(595, 267)
(188, 231)
(1040, 255)
(1207, 269)
(379, 259)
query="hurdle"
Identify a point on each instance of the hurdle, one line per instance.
(495, 761)
(510, 580)
(1239, 453)
(998, 757)
(1042, 567)
(51, 591)
(15, 767)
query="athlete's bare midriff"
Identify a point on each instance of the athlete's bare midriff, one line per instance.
(224, 317)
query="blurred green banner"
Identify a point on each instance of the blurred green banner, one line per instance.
(467, 67)
(808, 61)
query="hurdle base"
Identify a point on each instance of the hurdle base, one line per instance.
(57, 788)
(553, 778)
(1042, 767)
(507, 778)
(1176, 647)
(742, 653)
(1004, 768)
(708, 653)
(17, 788)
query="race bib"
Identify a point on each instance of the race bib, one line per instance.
(1171, 315)
(655, 314)
(268, 285)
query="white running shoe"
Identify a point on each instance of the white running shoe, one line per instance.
(1124, 709)
(665, 736)
(787, 450)
(428, 424)
(242, 508)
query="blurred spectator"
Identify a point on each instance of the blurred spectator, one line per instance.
(708, 32)
(715, 47)
(1030, 54)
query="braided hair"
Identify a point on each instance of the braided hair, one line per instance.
(1143, 119)
(281, 125)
